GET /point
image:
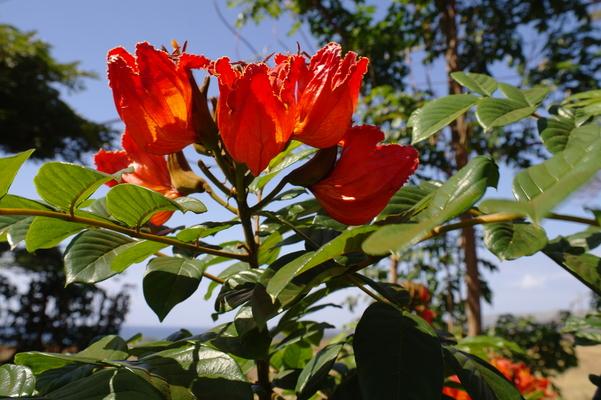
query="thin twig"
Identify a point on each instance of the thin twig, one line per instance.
(207, 172)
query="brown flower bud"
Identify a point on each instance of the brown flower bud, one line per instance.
(182, 177)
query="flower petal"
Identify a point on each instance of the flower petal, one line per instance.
(365, 177)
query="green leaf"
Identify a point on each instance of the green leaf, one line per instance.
(16, 380)
(490, 206)
(409, 200)
(396, 358)
(347, 242)
(482, 345)
(40, 362)
(46, 232)
(17, 232)
(9, 167)
(510, 241)
(480, 379)
(535, 95)
(55, 378)
(279, 163)
(66, 185)
(513, 93)
(89, 256)
(560, 134)
(572, 255)
(210, 373)
(546, 185)
(454, 197)
(16, 225)
(191, 204)
(196, 232)
(110, 347)
(493, 112)
(169, 281)
(586, 329)
(108, 384)
(438, 113)
(317, 370)
(480, 83)
(135, 205)
(270, 248)
(133, 253)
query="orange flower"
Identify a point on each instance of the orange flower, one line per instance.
(149, 170)
(327, 93)
(523, 379)
(253, 119)
(365, 177)
(455, 393)
(153, 95)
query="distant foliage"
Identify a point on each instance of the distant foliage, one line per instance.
(37, 311)
(33, 112)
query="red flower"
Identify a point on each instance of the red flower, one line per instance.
(365, 177)
(455, 393)
(253, 118)
(523, 379)
(149, 171)
(327, 93)
(153, 95)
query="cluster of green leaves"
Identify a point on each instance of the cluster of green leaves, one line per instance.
(390, 351)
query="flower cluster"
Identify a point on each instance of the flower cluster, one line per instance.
(420, 300)
(260, 109)
(519, 374)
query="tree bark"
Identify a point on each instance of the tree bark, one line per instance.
(460, 144)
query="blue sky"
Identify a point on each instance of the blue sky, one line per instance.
(85, 31)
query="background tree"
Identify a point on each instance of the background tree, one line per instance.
(37, 312)
(32, 112)
(40, 313)
(539, 40)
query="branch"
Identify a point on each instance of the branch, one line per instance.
(122, 229)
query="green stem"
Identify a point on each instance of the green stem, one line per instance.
(209, 190)
(121, 229)
(246, 219)
(207, 172)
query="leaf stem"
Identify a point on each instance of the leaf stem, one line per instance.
(121, 229)
(209, 190)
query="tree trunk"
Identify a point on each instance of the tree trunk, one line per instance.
(460, 145)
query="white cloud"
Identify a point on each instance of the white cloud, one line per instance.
(530, 281)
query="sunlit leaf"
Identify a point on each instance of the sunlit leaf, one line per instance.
(10, 166)
(89, 256)
(16, 381)
(66, 185)
(438, 113)
(454, 197)
(135, 205)
(46, 232)
(509, 241)
(480, 83)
